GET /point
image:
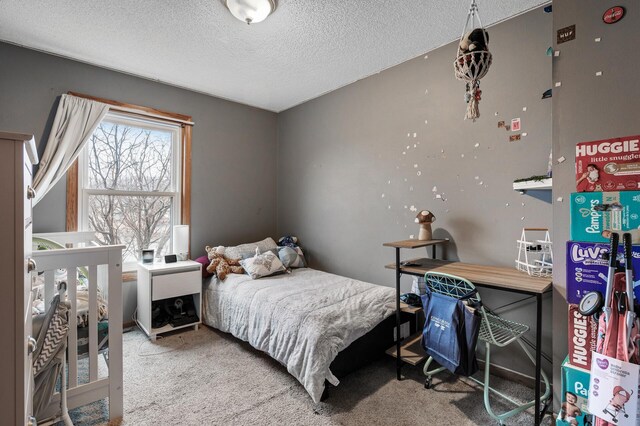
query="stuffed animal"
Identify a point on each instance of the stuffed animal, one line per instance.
(474, 41)
(425, 218)
(222, 265)
(288, 241)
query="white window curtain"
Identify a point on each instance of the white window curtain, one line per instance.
(75, 122)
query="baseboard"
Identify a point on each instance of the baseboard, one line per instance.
(508, 374)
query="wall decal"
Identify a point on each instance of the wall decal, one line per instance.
(548, 9)
(550, 51)
(598, 73)
(613, 15)
(566, 34)
(500, 124)
(514, 138)
(547, 94)
(558, 83)
(515, 124)
(597, 39)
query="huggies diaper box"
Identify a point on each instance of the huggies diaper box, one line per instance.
(575, 393)
(593, 213)
(608, 165)
(583, 332)
(588, 266)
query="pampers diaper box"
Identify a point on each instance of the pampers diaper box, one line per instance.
(595, 212)
(608, 165)
(575, 394)
(588, 266)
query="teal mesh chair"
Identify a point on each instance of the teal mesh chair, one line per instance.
(494, 330)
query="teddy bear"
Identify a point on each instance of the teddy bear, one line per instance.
(474, 41)
(469, 53)
(425, 218)
(288, 241)
(222, 265)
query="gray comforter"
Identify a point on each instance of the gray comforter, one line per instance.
(302, 319)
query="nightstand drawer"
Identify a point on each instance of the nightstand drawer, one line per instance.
(174, 285)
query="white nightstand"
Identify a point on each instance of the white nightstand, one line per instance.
(160, 281)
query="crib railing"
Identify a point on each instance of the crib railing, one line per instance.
(102, 266)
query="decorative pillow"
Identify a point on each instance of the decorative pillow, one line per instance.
(291, 257)
(245, 251)
(262, 265)
(204, 261)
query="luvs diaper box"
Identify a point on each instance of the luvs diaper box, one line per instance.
(575, 394)
(608, 165)
(595, 214)
(588, 265)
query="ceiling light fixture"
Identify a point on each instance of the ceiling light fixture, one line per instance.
(251, 11)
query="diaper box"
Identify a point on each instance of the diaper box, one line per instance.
(595, 212)
(587, 268)
(582, 338)
(608, 165)
(575, 392)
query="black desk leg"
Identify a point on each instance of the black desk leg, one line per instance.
(538, 357)
(433, 251)
(398, 339)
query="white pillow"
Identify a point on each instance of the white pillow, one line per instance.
(244, 251)
(262, 265)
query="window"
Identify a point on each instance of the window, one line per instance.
(129, 180)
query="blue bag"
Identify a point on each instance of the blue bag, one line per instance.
(451, 332)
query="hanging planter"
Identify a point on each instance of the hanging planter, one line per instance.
(473, 60)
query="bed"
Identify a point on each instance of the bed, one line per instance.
(319, 325)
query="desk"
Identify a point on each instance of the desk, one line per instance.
(506, 279)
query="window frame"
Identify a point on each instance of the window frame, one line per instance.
(183, 156)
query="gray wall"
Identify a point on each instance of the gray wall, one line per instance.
(587, 108)
(233, 146)
(233, 169)
(345, 184)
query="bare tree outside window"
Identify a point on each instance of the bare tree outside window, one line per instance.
(129, 186)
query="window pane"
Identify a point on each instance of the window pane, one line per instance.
(137, 222)
(130, 158)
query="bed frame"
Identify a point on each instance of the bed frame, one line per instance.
(104, 267)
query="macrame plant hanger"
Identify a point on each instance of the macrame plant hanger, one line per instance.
(472, 66)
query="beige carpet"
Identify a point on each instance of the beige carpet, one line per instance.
(206, 377)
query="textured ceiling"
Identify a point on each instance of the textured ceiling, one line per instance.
(306, 48)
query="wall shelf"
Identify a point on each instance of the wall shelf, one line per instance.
(544, 184)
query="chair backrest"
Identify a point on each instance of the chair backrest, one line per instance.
(451, 285)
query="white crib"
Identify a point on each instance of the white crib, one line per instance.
(103, 265)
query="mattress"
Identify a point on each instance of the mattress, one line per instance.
(302, 319)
